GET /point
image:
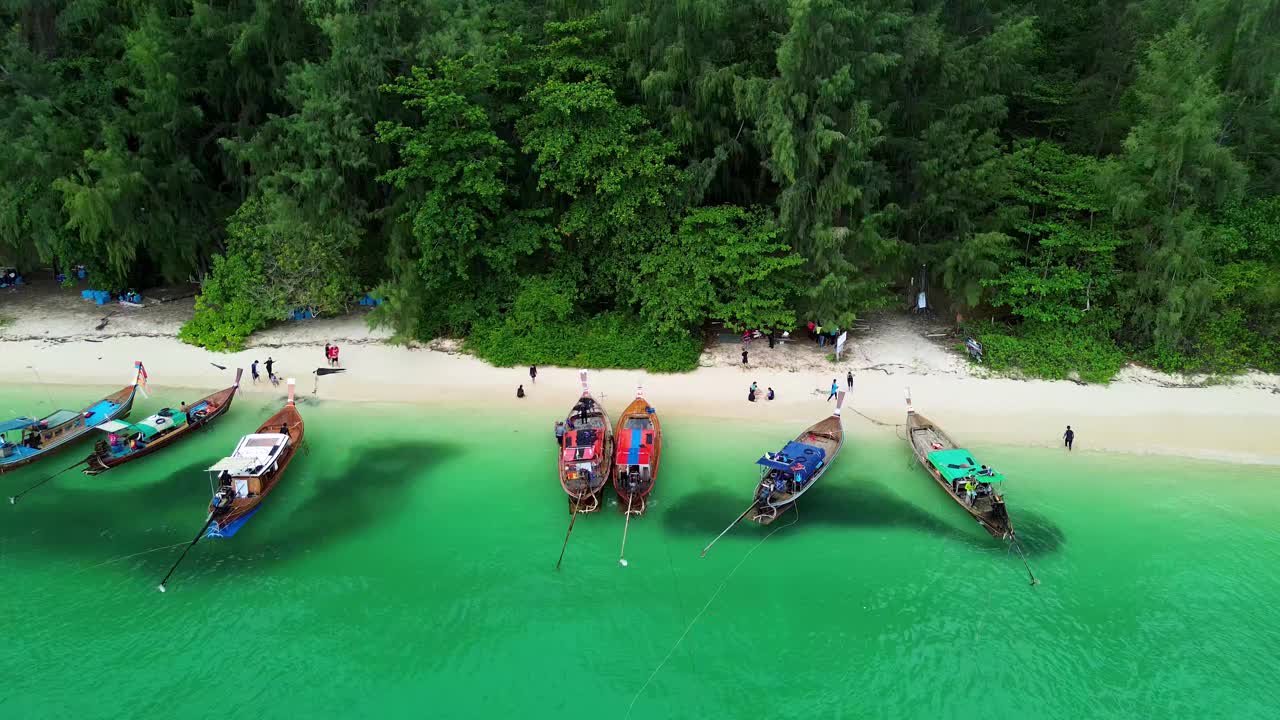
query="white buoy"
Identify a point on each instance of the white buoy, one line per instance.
(160, 588)
(623, 562)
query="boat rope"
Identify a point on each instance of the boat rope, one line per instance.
(878, 422)
(13, 499)
(40, 381)
(697, 617)
(126, 557)
(1013, 543)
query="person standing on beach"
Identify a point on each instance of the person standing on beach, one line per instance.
(328, 354)
(835, 388)
(533, 373)
(271, 375)
(1069, 437)
(253, 370)
(520, 391)
(744, 357)
(848, 379)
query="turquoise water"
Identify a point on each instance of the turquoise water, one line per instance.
(405, 568)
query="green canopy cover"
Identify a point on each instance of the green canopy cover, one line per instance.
(958, 464)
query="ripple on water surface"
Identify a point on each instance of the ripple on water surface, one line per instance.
(406, 564)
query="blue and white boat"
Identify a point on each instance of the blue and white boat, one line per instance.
(25, 440)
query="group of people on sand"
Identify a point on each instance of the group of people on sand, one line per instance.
(270, 366)
(331, 354)
(835, 385)
(755, 390)
(533, 378)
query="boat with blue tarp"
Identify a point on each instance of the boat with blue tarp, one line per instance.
(789, 473)
(25, 440)
(131, 441)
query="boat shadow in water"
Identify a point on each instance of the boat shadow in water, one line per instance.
(704, 513)
(375, 484)
(1038, 534)
(81, 522)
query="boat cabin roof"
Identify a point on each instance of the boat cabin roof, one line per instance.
(795, 457)
(21, 423)
(959, 464)
(635, 445)
(253, 456)
(166, 419)
(60, 417)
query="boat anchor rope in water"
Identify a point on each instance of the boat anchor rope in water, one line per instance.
(13, 499)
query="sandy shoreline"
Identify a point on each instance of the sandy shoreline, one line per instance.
(1237, 422)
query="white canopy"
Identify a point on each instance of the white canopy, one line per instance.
(253, 456)
(113, 426)
(238, 466)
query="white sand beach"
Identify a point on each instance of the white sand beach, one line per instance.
(53, 336)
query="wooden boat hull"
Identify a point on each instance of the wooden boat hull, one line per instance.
(585, 495)
(637, 499)
(920, 432)
(228, 522)
(827, 434)
(122, 400)
(100, 461)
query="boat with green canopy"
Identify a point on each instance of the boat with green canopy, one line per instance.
(972, 485)
(130, 441)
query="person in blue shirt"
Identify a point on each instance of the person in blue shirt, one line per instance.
(835, 388)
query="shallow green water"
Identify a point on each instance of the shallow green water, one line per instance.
(405, 569)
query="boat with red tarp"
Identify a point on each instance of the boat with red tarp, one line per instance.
(639, 443)
(586, 452)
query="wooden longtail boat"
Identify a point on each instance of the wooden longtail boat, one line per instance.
(44, 437)
(791, 472)
(586, 453)
(953, 467)
(245, 478)
(131, 441)
(639, 443)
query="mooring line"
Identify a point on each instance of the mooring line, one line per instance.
(126, 557)
(695, 619)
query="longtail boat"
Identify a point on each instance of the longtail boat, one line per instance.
(244, 478)
(130, 441)
(44, 437)
(639, 443)
(251, 472)
(972, 486)
(792, 471)
(586, 453)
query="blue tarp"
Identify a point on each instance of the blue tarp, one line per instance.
(808, 457)
(633, 453)
(16, 424)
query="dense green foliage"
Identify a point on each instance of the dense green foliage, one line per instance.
(592, 182)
